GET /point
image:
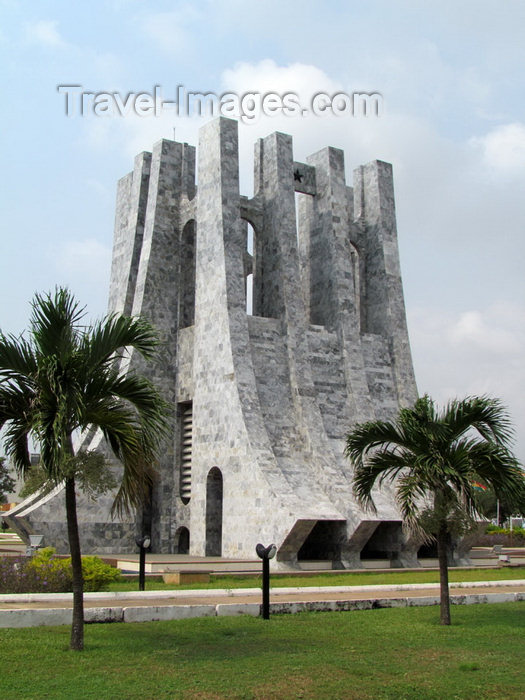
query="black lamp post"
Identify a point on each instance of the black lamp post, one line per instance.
(143, 543)
(266, 553)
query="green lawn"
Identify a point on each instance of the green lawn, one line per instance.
(360, 578)
(377, 654)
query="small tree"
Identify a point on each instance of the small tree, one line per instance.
(487, 503)
(7, 484)
(434, 459)
(65, 378)
(90, 469)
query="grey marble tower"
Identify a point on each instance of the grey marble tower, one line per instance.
(283, 324)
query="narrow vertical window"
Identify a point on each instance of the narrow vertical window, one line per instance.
(186, 435)
(187, 276)
(249, 267)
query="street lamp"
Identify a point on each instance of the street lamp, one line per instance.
(266, 553)
(143, 543)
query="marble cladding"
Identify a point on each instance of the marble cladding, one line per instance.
(275, 392)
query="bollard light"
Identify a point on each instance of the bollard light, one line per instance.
(143, 543)
(35, 541)
(266, 553)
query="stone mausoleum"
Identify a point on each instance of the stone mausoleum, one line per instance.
(283, 323)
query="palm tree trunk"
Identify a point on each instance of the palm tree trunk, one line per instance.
(444, 596)
(77, 626)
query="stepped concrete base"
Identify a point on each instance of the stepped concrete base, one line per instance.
(170, 563)
(179, 577)
(158, 564)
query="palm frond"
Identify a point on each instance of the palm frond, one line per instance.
(111, 335)
(134, 489)
(54, 323)
(486, 415)
(17, 361)
(411, 495)
(423, 412)
(18, 414)
(17, 447)
(133, 445)
(496, 466)
(383, 465)
(146, 399)
(145, 406)
(367, 436)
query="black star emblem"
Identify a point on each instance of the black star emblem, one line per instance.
(297, 176)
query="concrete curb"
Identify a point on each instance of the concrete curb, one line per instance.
(62, 616)
(233, 592)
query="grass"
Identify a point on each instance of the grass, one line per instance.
(390, 654)
(360, 578)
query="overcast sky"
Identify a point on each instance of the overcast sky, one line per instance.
(451, 76)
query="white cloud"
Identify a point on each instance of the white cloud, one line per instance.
(479, 351)
(473, 330)
(268, 76)
(504, 148)
(132, 134)
(45, 32)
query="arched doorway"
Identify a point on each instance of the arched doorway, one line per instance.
(214, 513)
(182, 538)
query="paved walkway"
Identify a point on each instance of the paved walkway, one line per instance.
(28, 610)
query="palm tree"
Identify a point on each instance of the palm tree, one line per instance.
(434, 458)
(64, 379)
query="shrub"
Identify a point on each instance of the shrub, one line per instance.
(97, 574)
(517, 532)
(38, 575)
(45, 573)
(502, 535)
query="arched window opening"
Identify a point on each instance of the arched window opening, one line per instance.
(214, 496)
(187, 275)
(356, 278)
